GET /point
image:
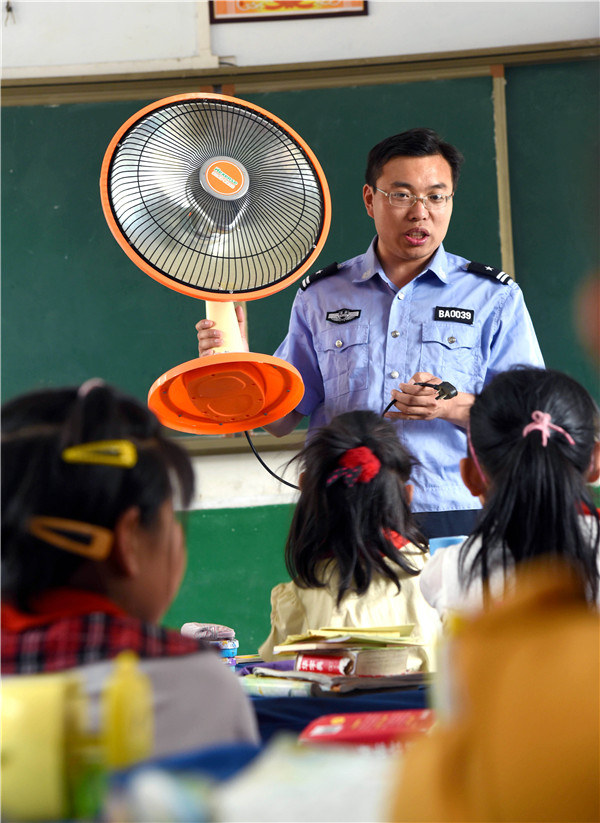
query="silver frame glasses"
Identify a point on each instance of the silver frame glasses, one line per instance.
(435, 205)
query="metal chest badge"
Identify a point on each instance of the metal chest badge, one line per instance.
(343, 315)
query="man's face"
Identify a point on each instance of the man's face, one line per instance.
(415, 233)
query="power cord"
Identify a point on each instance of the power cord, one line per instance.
(264, 465)
(445, 392)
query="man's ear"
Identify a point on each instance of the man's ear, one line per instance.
(125, 553)
(368, 199)
(471, 477)
(409, 491)
(594, 470)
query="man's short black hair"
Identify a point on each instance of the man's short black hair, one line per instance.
(412, 143)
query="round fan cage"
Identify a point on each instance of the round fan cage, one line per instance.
(215, 197)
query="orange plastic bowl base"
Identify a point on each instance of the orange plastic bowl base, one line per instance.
(226, 393)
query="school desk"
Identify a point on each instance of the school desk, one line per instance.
(292, 714)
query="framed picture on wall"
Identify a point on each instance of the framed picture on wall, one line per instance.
(237, 11)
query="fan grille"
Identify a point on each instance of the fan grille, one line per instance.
(206, 242)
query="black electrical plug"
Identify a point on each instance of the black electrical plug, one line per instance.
(446, 391)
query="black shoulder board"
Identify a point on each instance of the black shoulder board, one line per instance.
(489, 271)
(319, 275)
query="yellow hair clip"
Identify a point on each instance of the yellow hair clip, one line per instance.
(120, 453)
(93, 542)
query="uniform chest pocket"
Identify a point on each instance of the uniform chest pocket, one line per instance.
(452, 352)
(343, 354)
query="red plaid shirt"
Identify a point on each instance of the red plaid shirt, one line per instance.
(70, 628)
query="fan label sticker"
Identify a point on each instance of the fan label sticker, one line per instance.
(224, 177)
(343, 315)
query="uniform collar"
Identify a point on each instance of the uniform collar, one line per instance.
(370, 266)
(439, 265)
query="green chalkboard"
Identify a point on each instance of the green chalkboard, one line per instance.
(74, 306)
(235, 557)
(553, 114)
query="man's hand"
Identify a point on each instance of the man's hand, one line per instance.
(420, 402)
(210, 337)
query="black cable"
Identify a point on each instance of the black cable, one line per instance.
(388, 407)
(445, 391)
(264, 465)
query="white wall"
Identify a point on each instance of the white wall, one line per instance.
(401, 27)
(73, 37)
(228, 481)
(70, 37)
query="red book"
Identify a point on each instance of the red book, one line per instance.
(374, 662)
(324, 663)
(369, 728)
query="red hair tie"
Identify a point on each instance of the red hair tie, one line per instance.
(357, 465)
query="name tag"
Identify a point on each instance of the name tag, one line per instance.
(457, 315)
(343, 315)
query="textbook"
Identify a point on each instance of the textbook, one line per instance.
(332, 684)
(367, 662)
(278, 686)
(387, 631)
(347, 638)
(368, 728)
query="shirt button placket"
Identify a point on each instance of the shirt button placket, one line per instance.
(396, 344)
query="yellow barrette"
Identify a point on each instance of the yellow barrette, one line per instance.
(120, 453)
(94, 542)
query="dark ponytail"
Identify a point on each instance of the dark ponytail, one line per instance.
(537, 493)
(345, 527)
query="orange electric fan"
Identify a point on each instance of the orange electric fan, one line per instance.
(220, 200)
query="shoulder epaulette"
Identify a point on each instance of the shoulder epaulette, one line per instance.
(489, 271)
(319, 275)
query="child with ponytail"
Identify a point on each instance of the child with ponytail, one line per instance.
(533, 450)
(353, 551)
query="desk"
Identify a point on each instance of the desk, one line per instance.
(292, 714)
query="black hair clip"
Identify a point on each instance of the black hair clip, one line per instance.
(445, 391)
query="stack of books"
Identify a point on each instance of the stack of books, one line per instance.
(222, 637)
(337, 660)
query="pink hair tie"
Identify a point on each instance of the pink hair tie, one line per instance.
(88, 385)
(542, 422)
(357, 465)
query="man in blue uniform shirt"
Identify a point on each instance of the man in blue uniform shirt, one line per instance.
(405, 312)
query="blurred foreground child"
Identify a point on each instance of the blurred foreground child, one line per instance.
(93, 555)
(518, 736)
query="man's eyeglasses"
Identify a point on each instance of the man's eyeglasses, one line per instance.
(404, 200)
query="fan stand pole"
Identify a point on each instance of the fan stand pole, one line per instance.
(223, 313)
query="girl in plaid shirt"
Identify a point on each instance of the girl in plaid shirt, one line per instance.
(93, 555)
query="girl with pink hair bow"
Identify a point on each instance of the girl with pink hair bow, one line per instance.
(533, 453)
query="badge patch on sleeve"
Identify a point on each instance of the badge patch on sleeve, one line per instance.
(343, 315)
(454, 314)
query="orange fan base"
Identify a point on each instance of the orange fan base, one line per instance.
(224, 393)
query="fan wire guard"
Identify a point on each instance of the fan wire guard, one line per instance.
(192, 239)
